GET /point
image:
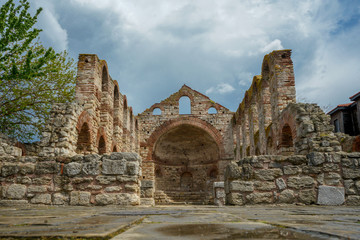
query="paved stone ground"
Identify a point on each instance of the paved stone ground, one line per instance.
(180, 222)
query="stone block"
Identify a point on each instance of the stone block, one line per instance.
(79, 198)
(316, 158)
(15, 191)
(132, 168)
(60, 199)
(242, 186)
(113, 189)
(147, 184)
(9, 170)
(147, 201)
(329, 195)
(91, 168)
(353, 200)
(114, 167)
(280, 183)
(268, 174)
(307, 196)
(36, 189)
(126, 179)
(129, 156)
(350, 187)
(73, 168)
(286, 196)
(264, 185)
(127, 199)
(235, 199)
(219, 184)
(300, 182)
(232, 171)
(47, 168)
(131, 188)
(105, 199)
(297, 159)
(105, 179)
(78, 180)
(92, 158)
(332, 179)
(28, 168)
(42, 180)
(41, 199)
(291, 170)
(255, 198)
(330, 167)
(349, 173)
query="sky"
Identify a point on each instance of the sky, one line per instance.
(154, 47)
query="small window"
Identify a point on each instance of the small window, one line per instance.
(156, 111)
(114, 149)
(337, 125)
(184, 105)
(102, 146)
(104, 77)
(212, 110)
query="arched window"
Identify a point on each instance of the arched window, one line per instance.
(114, 149)
(184, 105)
(213, 174)
(269, 145)
(158, 173)
(116, 96)
(257, 151)
(156, 111)
(186, 181)
(102, 146)
(212, 110)
(104, 82)
(83, 142)
(286, 136)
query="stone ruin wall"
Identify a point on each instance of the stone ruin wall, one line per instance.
(99, 121)
(79, 180)
(153, 127)
(282, 151)
(257, 118)
(288, 153)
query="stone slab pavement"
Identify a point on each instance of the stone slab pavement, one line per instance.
(180, 222)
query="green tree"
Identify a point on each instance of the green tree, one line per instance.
(32, 77)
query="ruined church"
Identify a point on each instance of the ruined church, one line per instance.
(94, 151)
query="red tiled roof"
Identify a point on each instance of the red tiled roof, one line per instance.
(339, 107)
(353, 97)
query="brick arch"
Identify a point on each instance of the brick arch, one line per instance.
(116, 94)
(84, 132)
(101, 134)
(114, 147)
(105, 77)
(185, 94)
(84, 117)
(157, 105)
(165, 127)
(287, 119)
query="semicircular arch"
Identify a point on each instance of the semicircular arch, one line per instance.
(195, 122)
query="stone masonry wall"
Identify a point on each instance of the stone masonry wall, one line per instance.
(78, 180)
(153, 126)
(256, 118)
(99, 121)
(318, 178)
(8, 148)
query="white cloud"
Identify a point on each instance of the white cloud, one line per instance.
(168, 43)
(53, 33)
(274, 45)
(221, 88)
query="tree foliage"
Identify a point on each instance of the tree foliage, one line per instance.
(32, 77)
